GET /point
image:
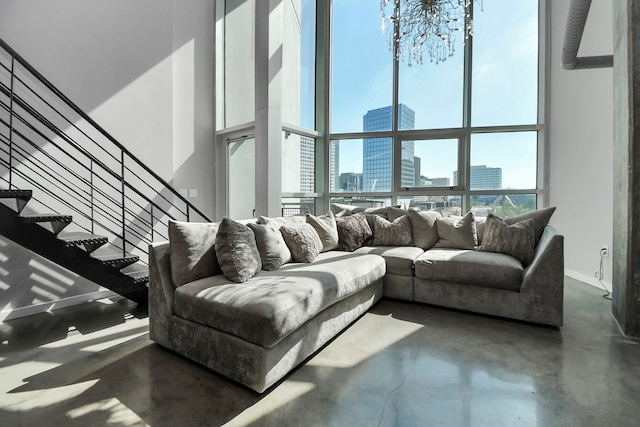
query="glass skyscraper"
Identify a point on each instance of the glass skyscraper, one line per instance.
(377, 168)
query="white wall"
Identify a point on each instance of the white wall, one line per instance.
(141, 69)
(581, 137)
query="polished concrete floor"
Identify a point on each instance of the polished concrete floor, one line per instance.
(399, 365)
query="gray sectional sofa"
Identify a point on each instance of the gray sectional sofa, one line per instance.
(257, 331)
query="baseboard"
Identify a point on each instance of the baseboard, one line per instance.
(589, 280)
(14, 313)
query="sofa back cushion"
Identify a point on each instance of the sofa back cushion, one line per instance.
(192, 251)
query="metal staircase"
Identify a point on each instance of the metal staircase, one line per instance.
(73, 194)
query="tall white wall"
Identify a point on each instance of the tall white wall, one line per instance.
(141, 69)
(581, 137)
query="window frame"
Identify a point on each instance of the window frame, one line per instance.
(463, 133)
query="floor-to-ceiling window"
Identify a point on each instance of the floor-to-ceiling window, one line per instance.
(266, 92)
(450, 132)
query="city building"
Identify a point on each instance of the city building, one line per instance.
(482, 177)
(377, 158)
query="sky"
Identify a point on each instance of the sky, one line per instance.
(504, 87)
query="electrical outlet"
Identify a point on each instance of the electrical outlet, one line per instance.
(604, 251)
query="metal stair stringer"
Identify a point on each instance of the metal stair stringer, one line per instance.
(67, 251)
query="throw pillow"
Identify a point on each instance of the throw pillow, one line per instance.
(345, 209)
(303, 242)
(325, 226)
(423, 228)
(456, 232)
(540, 217)
(517, 240)
(480, 226)
(396, 233)
(353, 231)
(237, 251)
(271, 245)
(192, 251)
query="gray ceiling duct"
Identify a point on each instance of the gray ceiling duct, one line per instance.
(578, 12)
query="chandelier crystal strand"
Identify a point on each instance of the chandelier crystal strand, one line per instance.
(416, 26)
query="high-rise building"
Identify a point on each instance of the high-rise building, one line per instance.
(334, 162)
(350, 182)
(482, 178)
(307, 164)
(377, 159)
(416, 169)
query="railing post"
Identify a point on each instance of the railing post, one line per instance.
(151, 222)
(91, 192)
(13, 62)
(124, 227)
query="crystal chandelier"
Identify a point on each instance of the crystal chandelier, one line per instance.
(426, 26)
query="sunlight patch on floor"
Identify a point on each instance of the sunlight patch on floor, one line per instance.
(335, 355)
(118, 413)
(29, 400)
(285, 393)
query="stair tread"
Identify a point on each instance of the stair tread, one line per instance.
(47, 217)
(14, 194)
(79, 237)
(110, 254)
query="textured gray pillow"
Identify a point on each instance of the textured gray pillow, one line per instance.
(396, 233)
(192, 251)
(540, 217)
(517, 240)
(343, 209)
(353, 231)
(303, 241)
(423, 228)
(237, 251)
(271, 245)
(480, 226)
(456, 232)
(325, 226)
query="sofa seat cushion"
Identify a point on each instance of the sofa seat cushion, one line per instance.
(487, 269)
(399, 259)
(273, 304)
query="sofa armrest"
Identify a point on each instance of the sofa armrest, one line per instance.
(161, 292)
(543, 279)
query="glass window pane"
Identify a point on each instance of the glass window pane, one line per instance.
(503, 160)
(505, 63)
(239, 62)
(357, 165)
(446, 205)
(434, 92)
(429, 163)
(241, 178)
(363, 202)
(362, 65)
(298, 163)
(502, 205)
(298, 206)
(298, 63)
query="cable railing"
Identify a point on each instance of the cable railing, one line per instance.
(49, 144)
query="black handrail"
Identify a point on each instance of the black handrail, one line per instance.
(82, 114)
(29, 102)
